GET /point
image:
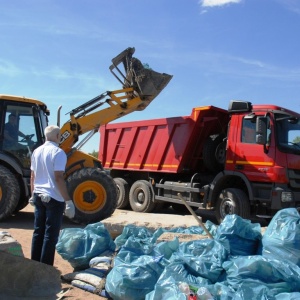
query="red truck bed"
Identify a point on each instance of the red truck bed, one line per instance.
(170, 145)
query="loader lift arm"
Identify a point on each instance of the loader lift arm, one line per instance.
(140, 86)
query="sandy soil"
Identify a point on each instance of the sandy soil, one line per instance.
(21, 227)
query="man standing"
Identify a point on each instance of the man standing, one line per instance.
(49, 196)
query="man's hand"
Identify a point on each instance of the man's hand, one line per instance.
(30, 201)
(70, 209)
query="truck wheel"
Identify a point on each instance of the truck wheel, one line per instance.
(94, 194)
(123, 192)
(9, 193)
(232, 201)
(214, 153)
(141, 197)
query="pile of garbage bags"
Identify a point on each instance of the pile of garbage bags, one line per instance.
(238, 263)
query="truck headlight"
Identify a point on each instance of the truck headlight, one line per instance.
(286, 197)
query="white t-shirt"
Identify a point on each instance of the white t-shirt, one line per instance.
(44, 161)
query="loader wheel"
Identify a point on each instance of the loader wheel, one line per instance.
(214, 153)
(23, 201)
(141, 197)
(9, 193)
(123, 192)
(94, 194)
(232, 201)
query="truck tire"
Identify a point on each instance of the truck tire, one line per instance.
(123, 192)
(141, 197)
(9, 193)
(232, 201)
(94, 194)
(214, 153)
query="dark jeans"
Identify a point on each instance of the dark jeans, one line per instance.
(47, 223)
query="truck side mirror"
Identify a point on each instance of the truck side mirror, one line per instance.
(261, 130)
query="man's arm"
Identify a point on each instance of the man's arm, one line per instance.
(21, 134)
(61, 184)
(62, 187)
(32, 176)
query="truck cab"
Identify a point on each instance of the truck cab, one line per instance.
(263, 151)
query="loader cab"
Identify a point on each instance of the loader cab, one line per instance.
(21, 128)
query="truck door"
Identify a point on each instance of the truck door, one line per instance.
(252, 159)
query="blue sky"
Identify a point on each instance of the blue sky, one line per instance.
(59, 51)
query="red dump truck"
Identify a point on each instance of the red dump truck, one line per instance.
(244, 160)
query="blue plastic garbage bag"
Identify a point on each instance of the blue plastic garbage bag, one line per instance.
(204, 257)
(277, 276)
(126, 255)
(239, 236)
(142, 244)
(166, 248)
(167, 286)
(78, 246)
(288, 296)
(282, 237)
(222, 290)
(129, 231)
(132, 281)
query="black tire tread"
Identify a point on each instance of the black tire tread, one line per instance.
(208, 154)
(123, 195)
(149, 205)
(10, 193)
(93, 174)
(243, 204)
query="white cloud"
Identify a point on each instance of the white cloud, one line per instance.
(211, 3)
(292, 5)
(8, 69)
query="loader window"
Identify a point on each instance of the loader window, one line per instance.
(20, 136)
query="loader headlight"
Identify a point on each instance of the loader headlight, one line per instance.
(287, 197)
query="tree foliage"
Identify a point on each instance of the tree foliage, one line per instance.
(94, 153)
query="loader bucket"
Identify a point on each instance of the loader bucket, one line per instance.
(146, 82)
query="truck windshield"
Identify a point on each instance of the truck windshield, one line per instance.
(288, 133)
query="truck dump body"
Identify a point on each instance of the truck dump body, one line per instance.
(170, 145)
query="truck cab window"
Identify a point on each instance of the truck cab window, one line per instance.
(288, 133)
(249, 131)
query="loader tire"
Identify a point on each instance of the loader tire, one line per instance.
(94, 194)
(232, 201)
(214, 153)
(141, 197)
(123, 192)
(9, 193)
(23, 202)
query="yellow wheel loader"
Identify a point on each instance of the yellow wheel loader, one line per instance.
(92, 189)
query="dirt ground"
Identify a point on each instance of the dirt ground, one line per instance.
(20, 228)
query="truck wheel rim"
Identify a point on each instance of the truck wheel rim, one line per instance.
(89, 196)
(227, 208)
